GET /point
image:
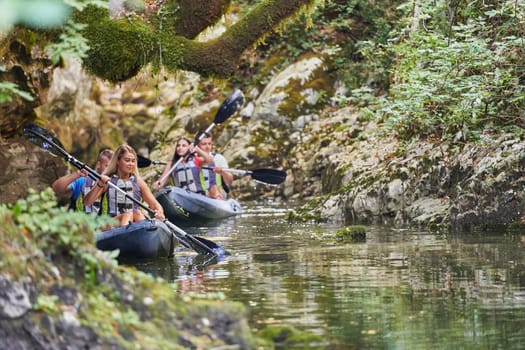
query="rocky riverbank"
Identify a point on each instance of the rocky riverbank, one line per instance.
(365, 177)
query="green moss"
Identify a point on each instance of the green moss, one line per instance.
(296, 105)
(195, 16)
(124, 308)
(263, 70)
(354, 233)
(332, 179)
(518, 226)
(119, 48)
(310, 212)
(169, 54)
(199, 122)
(342, 127)
(269, 147)
(360, 181)
(286, 337)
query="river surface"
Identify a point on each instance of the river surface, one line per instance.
(401, 289)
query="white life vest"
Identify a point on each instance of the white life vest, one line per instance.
(95, 207)
(188, 175)
(119, 203)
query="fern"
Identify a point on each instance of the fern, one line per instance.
(71, 43)
(8, 90)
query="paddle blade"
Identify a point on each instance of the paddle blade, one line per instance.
(143, 162)
(206, 247)
(199, 244)
(268, 176)
(42, 138)
(200, 262)
(229, 106)
(217, 249)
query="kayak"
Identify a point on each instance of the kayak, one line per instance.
(182, 205)
(145, 239)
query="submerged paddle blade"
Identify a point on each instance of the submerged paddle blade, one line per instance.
(204, 246)
(229, 106)
(200, 262)
(217, 249)
(199, 244)
(268, 176)
(41, 137)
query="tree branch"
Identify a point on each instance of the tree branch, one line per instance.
(119, 48)
(194, 16)
(220, 56)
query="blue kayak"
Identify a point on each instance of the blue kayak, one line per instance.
(145, 239)
(182, 205)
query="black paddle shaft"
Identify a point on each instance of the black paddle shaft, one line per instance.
(226, 110)
(266, 176)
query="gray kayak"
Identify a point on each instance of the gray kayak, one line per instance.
(145, 239)
(181, 205)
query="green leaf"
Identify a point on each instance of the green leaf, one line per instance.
(9, 89)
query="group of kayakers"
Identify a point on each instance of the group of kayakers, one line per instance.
(197, 169)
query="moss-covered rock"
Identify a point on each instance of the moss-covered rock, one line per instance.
(309, 212)
(354, 233)
(287, 337)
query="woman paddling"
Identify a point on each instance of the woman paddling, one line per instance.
(122, 171)
(188, 173)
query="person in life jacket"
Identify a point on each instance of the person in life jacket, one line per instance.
(76, 185)
(188, 173)
(223, 178)
(122, 171)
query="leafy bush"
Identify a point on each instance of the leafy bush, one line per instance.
(55, 230)
(9, 89)
(457, 78)
(425, 69)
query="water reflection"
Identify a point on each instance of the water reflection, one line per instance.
(401, 289)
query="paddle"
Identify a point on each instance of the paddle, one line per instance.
(267, 176)
(226, 110)
(45, 140)
(143, 162)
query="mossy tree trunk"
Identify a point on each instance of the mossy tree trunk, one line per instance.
(220, 56)
(121, 47)
(195, 16)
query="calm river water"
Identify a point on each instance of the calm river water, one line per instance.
(401, 289)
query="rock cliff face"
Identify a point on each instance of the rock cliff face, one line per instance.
(372, 179)
(330, 153)
(24, 166)
(360, 175)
